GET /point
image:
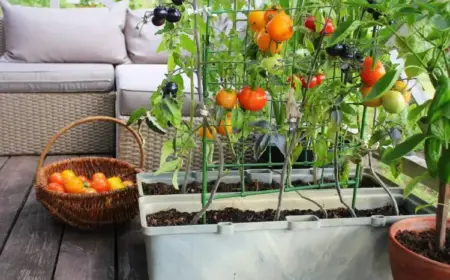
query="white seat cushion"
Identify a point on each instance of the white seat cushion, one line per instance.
(136, 83)
(46, 77)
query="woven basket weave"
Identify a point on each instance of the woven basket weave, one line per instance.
(89, 211)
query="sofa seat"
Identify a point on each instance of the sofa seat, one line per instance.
(136, 83)
(54, 77)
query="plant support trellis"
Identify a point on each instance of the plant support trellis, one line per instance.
(243, 64)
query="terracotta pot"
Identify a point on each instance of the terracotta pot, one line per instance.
(407, 265)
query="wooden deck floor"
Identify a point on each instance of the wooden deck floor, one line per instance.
(34, 246)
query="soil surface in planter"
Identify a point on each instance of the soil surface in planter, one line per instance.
(422, 243)
(173, 217)
(195, 187)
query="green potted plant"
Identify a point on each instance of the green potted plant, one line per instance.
(419, 247)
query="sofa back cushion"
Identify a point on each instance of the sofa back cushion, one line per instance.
(49, 35)
(142, 42)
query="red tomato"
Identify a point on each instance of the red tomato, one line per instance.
(320, 78)
(370, 76)
(56, 178)
(329, 27)
(98, 175)
(100, 185)
(252, 100)
(312, 83)
(310, 23)
(55, 187)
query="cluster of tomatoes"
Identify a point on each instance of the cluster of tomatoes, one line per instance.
(68, 182)
(315, 80)
(171, 14)
(328, 28)
(395, 100)
(272, 27)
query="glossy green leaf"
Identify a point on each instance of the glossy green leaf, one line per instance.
(414, 182)
(162, 46)
(415, 113)
(171, 64)
(136, 115)
(320, 20)
(441, 129)
(403, 148)
(348, 109)
(296, 153)
(384, 84)
(343, 30)
(188, 44)
(377, 135)
(309, 46)
(396, 168)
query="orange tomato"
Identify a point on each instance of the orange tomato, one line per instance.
(271, 12)
(372, 103)
(56, 187)
(100, 185)
(226, 99)
(266, 44)
(281, 28)
(370, 76)
(128, 183)
(74, 185)
(256, 20)
(67, 174)
(56, 178)
(225, 126)
(210, 133)
(98, 175)
(89, 190)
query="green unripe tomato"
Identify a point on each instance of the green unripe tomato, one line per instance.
(273, 65)
(393, 102)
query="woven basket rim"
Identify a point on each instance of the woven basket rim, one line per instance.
(41, 178)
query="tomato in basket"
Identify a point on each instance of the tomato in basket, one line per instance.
(55, 187)
(56, 178)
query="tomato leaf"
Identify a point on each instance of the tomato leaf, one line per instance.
(136, 115)
(296, 153)
(343, 30)
(162, 46)
(166, 150)
(384, 84)
(168, 166)
(441, 129)
(441, 23)
(416, 68)
(320, 20)
(420, 207)
(171, 63)
(414, 182)
(188, 44)
(175, 180)
(403, 148)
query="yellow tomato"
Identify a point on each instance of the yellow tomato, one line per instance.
(74, 185)
(67, 174)
(115, 183)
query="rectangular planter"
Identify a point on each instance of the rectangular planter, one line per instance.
(303, 247)
(250, 175)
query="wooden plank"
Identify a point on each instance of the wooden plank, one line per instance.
(16, 178)
(3, 160)
(32, 248)
(132, 263)
(86, 255)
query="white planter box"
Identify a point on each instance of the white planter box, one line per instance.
(303, 247)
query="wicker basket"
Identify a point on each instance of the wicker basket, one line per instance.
(89, 211)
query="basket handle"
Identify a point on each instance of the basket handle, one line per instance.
(89, 120)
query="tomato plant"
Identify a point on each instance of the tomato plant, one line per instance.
(252, 99)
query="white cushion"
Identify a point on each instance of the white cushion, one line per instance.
(77, 35)
(142, 42)
(135, 84)
(46, 77)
